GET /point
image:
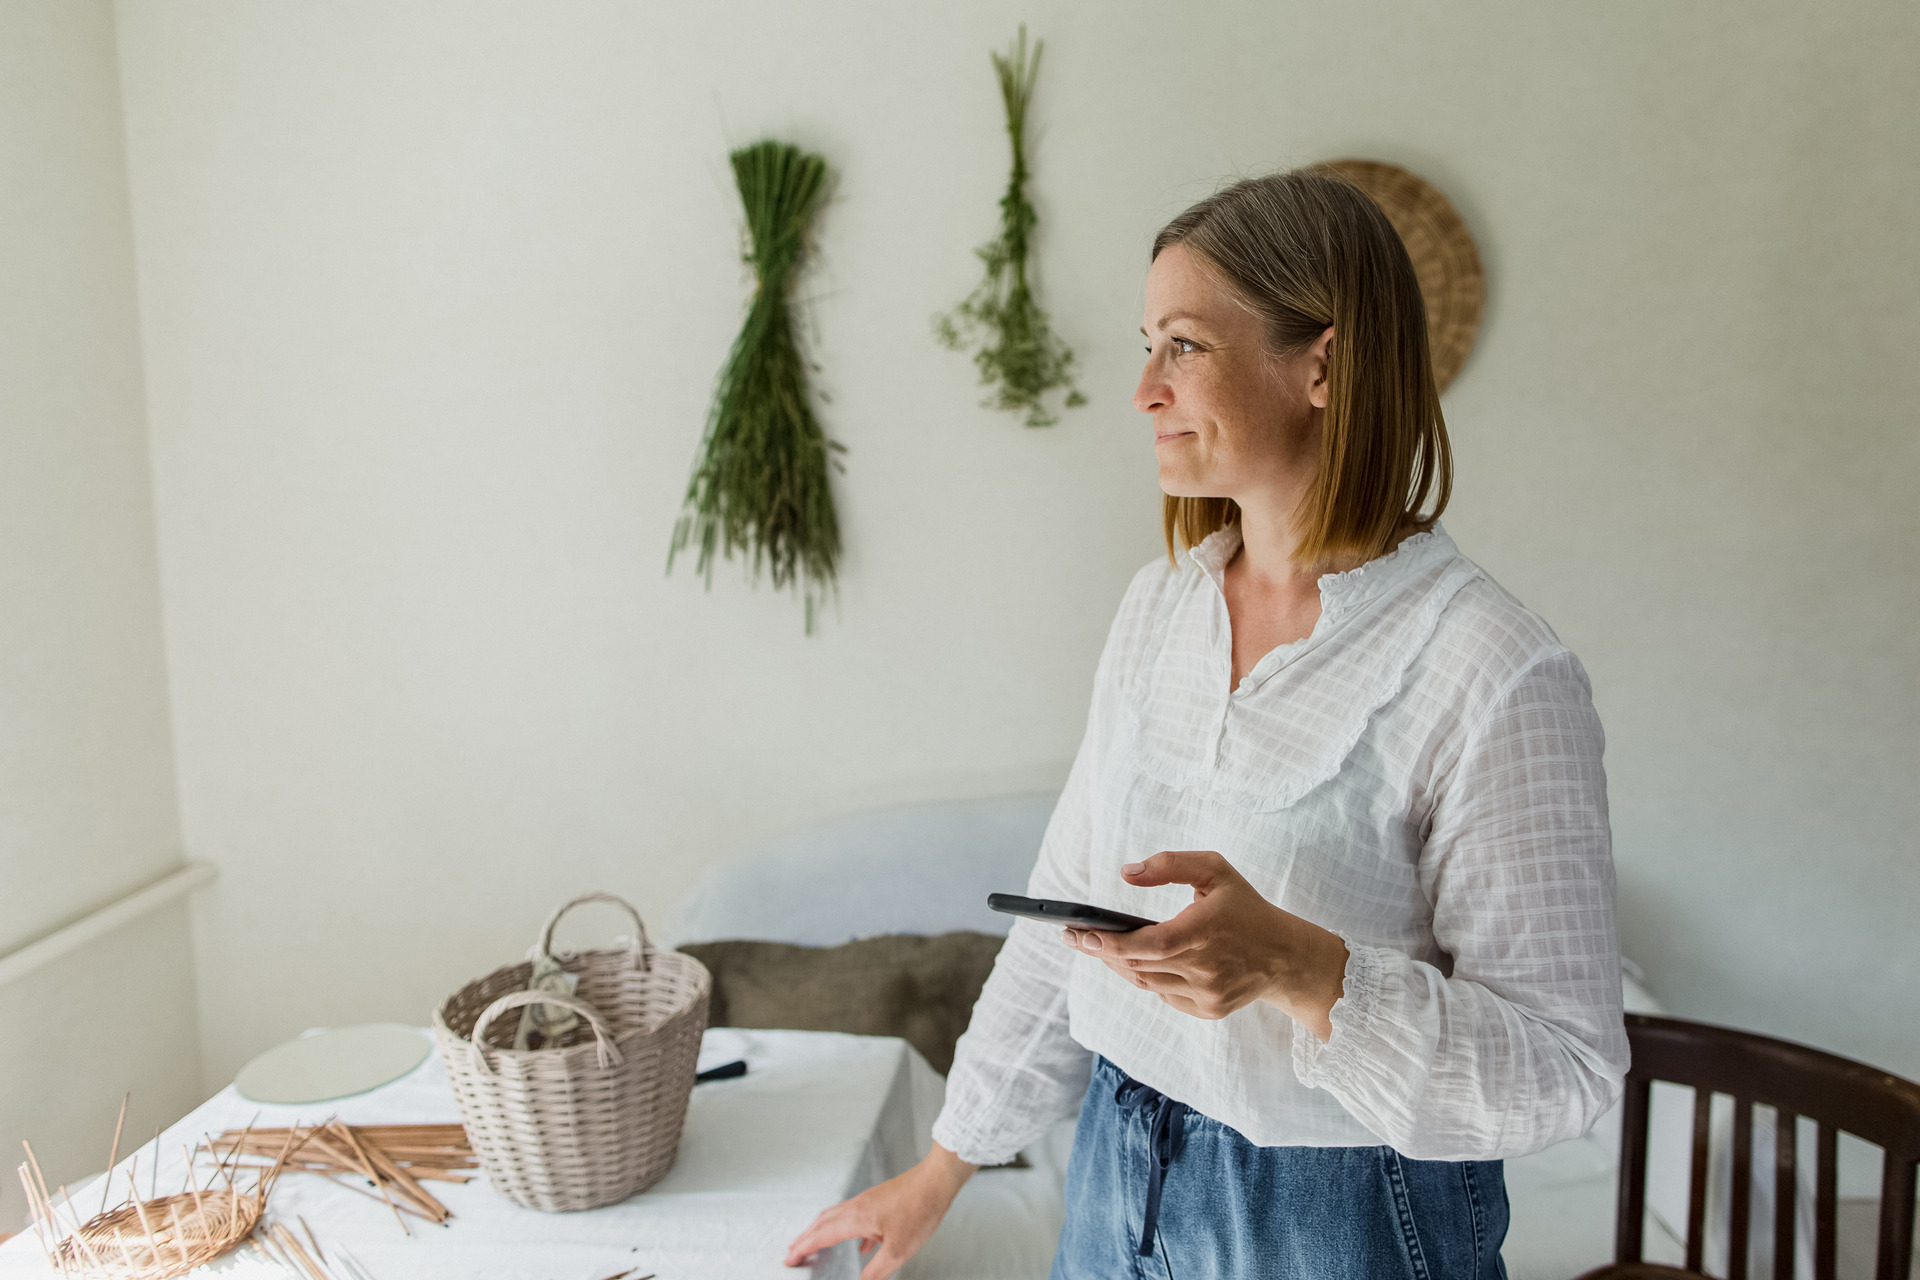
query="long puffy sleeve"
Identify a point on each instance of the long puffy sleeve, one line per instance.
(1521, 1044)
(1016, 1070)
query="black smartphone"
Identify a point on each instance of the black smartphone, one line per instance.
(1068, 915)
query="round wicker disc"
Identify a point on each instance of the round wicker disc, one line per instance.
(1443, 256)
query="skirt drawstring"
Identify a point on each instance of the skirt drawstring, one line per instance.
(1166, 1128)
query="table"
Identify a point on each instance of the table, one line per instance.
(819, 1116)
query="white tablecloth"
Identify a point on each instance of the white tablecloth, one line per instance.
(819, 1116)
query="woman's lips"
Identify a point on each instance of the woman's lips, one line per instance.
(1161, 437)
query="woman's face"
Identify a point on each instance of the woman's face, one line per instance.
(1230, 419)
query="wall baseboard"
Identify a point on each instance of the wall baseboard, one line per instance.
(89, 928)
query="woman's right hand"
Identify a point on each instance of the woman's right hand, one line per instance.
(898, 1215)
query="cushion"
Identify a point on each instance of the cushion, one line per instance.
(919, 988)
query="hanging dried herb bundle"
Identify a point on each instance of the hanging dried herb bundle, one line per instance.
(760, 483)
(1018, 349)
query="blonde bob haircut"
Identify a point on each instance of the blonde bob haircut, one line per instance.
(1304, 250)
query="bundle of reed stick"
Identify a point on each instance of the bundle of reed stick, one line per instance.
(394, 1159)
(279, 1244)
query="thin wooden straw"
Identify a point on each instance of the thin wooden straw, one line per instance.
(266, 1245)
(375, 1178)
(193, 1184)
(39, 1231)
(280, 1161)
(66, 1198)
(39, 1177)
(126, 1254)
(358, 1267)
(91, 1255)
(113, 1156)
(53, 1220)
(405, 1183)
(141, 1209)
(318, 1252)
(179, 1236)
(341, 1180)
(291, 1244)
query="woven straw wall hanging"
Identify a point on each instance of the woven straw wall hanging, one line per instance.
(1444, 258)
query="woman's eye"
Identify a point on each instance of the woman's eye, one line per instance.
(1185, 347)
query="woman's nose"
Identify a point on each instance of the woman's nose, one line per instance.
(1153, 392)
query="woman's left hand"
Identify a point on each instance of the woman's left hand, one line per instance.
(1230, 948)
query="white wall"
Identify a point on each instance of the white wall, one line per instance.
(434, 294)
(87, 808)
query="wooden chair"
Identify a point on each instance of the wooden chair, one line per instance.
(1836, 1092)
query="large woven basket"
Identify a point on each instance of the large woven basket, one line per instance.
(597, 1118)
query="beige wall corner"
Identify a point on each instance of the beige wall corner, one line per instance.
(112, 1020)
(87, 803)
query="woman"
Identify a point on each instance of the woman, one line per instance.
(1379, 775)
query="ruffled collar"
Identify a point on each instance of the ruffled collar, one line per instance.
(1298, 714)
(1339, 592)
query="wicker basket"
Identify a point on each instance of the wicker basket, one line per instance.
(598, 1118)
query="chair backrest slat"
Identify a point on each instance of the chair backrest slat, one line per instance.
(1697, 1180)
(1826, 1202)
(1786, 1190)
(1794, 1080)
(1896, 1219)
(1630, 1215)
(1741, 1217)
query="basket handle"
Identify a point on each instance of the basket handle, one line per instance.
(642, 947)
(605, 1049)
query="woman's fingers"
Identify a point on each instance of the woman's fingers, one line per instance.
(1191, 993)
(1229, 947)
(1202, 868)
(1151, 975)
(826, 1232)
(1119, 949)
(1162, 941)
(890, 1220)
(1189, 982)
(843, 1221)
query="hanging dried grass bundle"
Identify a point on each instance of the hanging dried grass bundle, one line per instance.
(761, 481)
(154, 1237)
(1019, 350)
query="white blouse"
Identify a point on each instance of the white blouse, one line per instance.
(1420, 775)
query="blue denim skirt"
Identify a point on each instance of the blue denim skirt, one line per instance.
(1156, 1189)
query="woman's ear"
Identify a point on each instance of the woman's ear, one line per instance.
(1319, 365)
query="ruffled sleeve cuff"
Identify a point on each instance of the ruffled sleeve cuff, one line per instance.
(1333, 1064)
(976, 1149)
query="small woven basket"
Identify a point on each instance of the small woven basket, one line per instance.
(598, 1118)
